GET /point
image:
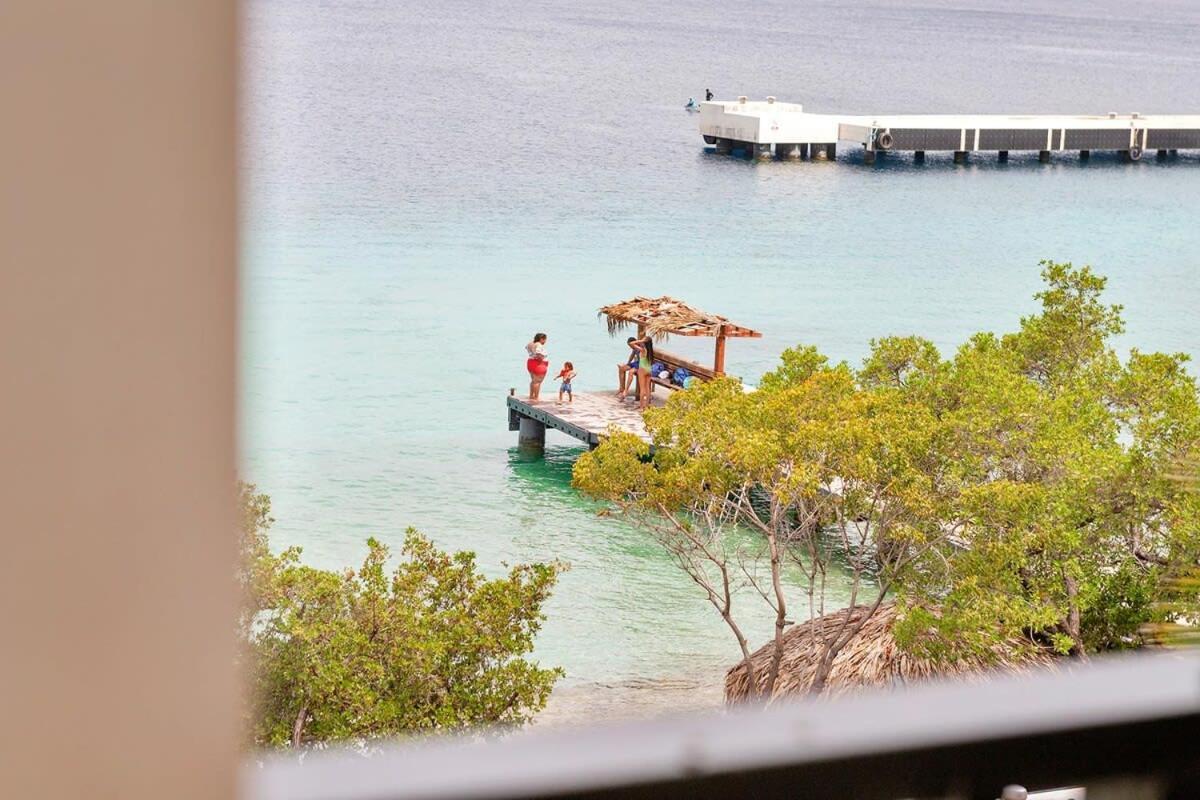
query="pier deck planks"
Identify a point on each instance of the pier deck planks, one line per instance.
(587, 419)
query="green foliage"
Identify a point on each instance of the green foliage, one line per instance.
(1058, 459)
(1022, 493)
(899, 361)
(810, 451)
(1074, 327)
(430, 645)
(1177, 595)
(796, 365)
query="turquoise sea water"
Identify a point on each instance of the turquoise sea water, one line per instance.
(427, 184)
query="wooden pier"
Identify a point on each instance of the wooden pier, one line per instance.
(769, 129)
(593, 414)
(587, 419)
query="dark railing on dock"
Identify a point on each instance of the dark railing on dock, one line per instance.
(519, 409)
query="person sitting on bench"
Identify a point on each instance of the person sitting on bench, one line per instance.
(627, 372)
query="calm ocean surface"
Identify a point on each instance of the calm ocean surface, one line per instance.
(428, 183)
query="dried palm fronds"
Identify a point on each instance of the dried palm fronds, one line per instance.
(870, 658)
(660, 316)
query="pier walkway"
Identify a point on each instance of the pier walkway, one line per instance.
(766, 129)
(587, 419)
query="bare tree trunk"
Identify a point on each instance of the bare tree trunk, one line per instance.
(298, 726)
(780, 617)
(1072, 623)
(829, 645)
(831, 650)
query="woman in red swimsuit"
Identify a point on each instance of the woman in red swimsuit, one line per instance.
(537, 364)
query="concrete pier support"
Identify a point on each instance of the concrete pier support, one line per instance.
(868, 156)
(1162, 155)
(789, 152)
(1044, 156)
(1002, 156)
(724, 146)
(831, 151)
(1084, 155)
(919, 156)
(960, 156)
(531, 435)
(1173, 153)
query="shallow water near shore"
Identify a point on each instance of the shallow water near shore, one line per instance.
(427, 184)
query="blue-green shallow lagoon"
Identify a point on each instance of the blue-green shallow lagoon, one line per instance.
(427, 184)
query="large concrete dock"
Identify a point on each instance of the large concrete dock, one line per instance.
(770, 129)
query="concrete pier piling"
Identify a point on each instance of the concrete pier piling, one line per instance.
(754, 127)
(1084, 155)
(919, 156)
(531, 434)
(1002, 156)
(790, 151)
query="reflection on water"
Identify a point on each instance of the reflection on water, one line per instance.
(549, 471)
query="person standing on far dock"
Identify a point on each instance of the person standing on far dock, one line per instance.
(708, 95)
(537, 364)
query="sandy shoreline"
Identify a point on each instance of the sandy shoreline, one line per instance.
(630, 699)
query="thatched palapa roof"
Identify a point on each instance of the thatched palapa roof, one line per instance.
(664, 315)
(871, 659)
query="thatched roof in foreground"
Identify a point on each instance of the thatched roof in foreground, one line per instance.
(871, 658)
(663, 315)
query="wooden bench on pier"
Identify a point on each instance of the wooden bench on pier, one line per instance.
(673, 362)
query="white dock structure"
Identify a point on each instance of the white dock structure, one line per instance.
(769, 129)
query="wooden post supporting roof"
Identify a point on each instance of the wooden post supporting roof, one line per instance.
(719, 352)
